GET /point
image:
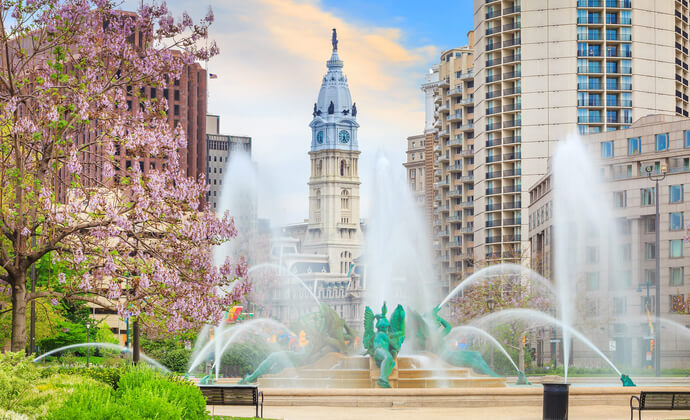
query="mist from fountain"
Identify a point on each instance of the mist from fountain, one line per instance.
(581, 216)
(224, 336)
(499, 270)
(531, 314)
(238, 197)
(397, 253)
(109, 346)
(472, 330)
(285, 272)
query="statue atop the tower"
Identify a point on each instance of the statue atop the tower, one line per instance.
(334, 40)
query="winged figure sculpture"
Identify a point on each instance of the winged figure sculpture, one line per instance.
(383, 339)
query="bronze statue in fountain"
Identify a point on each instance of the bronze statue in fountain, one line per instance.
(384, 343)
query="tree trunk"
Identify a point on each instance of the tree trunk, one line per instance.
(135, 342)
(18, 342)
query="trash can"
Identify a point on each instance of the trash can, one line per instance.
(555, 401)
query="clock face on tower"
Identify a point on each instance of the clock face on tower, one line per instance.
(344, 137)
(319, 137)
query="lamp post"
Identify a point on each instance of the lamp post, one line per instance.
(490, 305)
(88, 325)
(657, 330)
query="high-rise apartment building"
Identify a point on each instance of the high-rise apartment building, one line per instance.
(219, 150)
(616, 292)
(453, 165)
(548, 69)
(415, 167)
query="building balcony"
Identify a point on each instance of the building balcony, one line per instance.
(511, 26)
(493, 14)
(512, 107)
(493, 126)
(457, 116)
(454, 219)
(494, 207)
(512, 123)
(467, 178)
(511, 222)
(456, 140)
(493, 174)
(512, 75)
(455, 193)
(456, 91)
(444, 82)
(466, 229)
(467, 101)
(493, 62)
(512, 238)
(512, 140)
(511, 58)
(455, 168)
(469, 74)
(493, 191)
(493, 78)
(511, 10)
(512, 91)
(512, 172)
(511, 189)
(493, 239)
(443, 233)
(468, 126)
(443, 108)
(493, 223)
(512, 156)
(467, 204)
(512, 205)
(511, 42)
(493, 94)
(444, 133)
(492, 143)
(493, 158)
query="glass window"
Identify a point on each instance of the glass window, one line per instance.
(634, 146)
(675, 221)
(676, 276)
(675, 194)
(647, 196)
(593, 281)
(650, 277)
(661, 142)
(650, 250)
(625, 19)
(686, 138)
(619, 305)
(676, 248)
(619, 199)
(607, 149)
(592, 255)
(626, 99)
(626, 83)
(650, 224)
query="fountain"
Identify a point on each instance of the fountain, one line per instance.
(108, 346)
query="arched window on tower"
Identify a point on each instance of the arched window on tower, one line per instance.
(345, 200)
(319, 168)
(345, 261)
(344, 168)
(317, 200)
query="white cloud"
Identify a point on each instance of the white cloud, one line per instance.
(272, 59)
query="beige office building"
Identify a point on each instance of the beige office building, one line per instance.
(613, 283)
(547, 69)
(414, 166)
(453, 165)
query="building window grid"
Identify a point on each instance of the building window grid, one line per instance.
(585, 17)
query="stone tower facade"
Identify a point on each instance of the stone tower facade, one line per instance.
(334, 218)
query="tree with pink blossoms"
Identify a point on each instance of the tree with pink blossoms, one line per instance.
(498, 293)
(139, 240)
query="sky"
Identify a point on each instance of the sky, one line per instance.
(272, 59)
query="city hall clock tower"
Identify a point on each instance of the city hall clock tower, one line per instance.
(334, 219)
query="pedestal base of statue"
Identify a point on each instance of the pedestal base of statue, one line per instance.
(336, 370)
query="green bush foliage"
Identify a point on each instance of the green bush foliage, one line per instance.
(170, 353)
(244, 358)
(17, 376)
(107, 375)
(142, 393)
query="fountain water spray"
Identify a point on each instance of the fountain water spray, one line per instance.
(487, 273)
(109, 346)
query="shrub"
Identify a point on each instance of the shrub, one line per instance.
(170, 353)
(244, 358)
(109, 376)
(17, 376)
(142, 393)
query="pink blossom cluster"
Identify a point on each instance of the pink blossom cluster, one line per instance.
(141, 241)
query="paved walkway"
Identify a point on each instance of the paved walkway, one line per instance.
(593, 412)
